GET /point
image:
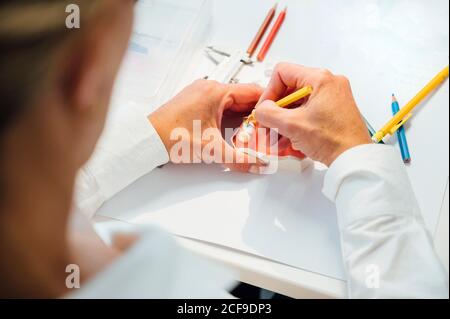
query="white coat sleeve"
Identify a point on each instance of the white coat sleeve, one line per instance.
(129, 148)
(387, 250)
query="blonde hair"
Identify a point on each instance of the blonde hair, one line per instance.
(31, 31)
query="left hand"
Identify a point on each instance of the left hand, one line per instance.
(206, 102)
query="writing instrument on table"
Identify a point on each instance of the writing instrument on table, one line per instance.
(405, 113)
(262, 30)
(401, 135)
(370, 128)
(272, 35)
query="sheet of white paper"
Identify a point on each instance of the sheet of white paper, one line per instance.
(165, 34)
(282, 217)
(384, 47)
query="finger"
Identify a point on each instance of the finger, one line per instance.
(242, 98)
(272, 116)
(287, 76)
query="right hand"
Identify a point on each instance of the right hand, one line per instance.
(326, 125)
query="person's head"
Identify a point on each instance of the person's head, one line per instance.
(56, 82)
(55, 87)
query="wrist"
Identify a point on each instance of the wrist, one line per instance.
(161, 128)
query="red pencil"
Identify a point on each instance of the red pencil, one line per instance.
(262, 30)
(271, 37)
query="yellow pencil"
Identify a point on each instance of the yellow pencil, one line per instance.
(295, 97)
(405, 113)
(288, 100)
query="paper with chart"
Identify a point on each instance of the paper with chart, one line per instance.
(166, 34)
(384, 47)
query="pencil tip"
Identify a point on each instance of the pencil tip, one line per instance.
(275, 6)
(285, 9)
(393, 98)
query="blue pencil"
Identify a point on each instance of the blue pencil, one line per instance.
(401, 136)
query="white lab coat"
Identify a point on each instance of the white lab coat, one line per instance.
(387, 251)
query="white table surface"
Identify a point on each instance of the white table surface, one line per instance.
(234, 23)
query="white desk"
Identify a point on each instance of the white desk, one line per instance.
(234, 23)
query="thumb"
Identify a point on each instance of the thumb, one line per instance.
(270, 115)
